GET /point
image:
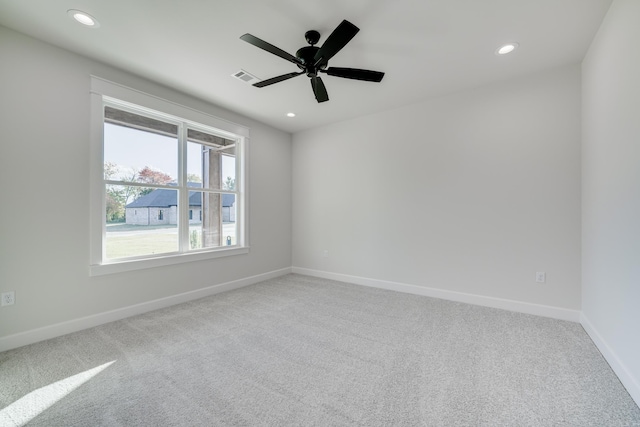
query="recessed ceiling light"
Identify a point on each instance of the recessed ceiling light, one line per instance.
(291, 114)
(507, 48)
(83, 18)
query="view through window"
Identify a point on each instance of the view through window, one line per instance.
(170, 185)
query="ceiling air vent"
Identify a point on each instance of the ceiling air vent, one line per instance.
(245, 77)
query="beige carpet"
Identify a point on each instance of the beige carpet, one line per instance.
(304, 351)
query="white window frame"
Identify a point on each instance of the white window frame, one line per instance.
(103, 93)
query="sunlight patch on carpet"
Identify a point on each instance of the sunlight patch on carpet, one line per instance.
(33, 404)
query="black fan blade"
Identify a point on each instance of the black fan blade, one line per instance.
(319, 90)
(336, 41)
(355, 73)
(270, 48)
(277, 79)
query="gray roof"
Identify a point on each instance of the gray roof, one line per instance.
(164, 198)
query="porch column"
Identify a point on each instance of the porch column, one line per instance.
(211, 203)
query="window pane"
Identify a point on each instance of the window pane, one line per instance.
(229, 227)
(213, 223)
(209, 164)
(139, 149)
(229, 169)
(140, 221)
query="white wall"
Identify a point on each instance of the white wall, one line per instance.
(44, 170)
(470, 193)
(611, 191)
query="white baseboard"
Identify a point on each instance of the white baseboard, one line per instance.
(29, 337)
(505, 304)
(627, 379)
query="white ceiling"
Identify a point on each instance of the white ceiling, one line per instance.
(425, 47)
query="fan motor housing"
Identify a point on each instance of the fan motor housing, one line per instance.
(307, 56)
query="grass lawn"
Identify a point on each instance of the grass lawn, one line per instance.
(135, 240)
(127, 245)
(121, 226)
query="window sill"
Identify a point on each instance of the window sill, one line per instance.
(139, 264)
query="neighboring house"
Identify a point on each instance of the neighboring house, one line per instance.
(160, 207)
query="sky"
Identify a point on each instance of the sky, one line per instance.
(134, 149)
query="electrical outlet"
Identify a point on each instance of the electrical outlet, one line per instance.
(325, 254)
(8, 298)
(541, 277)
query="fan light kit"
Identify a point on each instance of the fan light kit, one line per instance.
(312, 60)
(507, 48)
(83, 18)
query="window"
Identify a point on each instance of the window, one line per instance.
(155, 168)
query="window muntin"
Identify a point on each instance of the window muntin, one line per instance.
(186, 156)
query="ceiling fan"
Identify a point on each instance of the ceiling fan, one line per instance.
(313, 60)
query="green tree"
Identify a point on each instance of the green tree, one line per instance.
(115, 202)
(193, 177)
(116, 197)
(229, 184)
(130, 193)
(110, 170)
